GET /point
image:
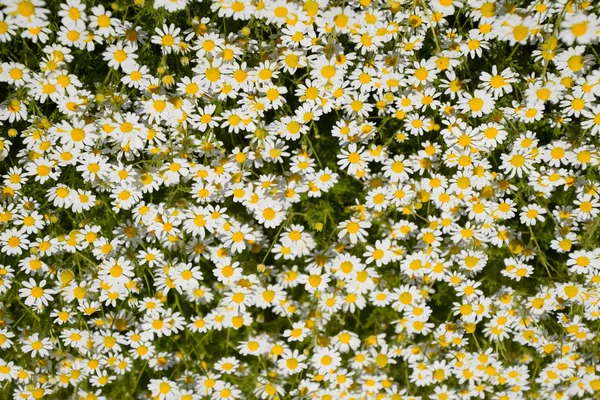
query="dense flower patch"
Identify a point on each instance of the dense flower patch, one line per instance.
(307, 199)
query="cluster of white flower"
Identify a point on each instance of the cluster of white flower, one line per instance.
(307, 199)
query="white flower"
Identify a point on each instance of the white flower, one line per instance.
(531, 214)
(354, 229)
(36, 294)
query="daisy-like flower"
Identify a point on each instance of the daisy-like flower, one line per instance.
(270, 213)
(185, 277)
(82, 200)
(479, 104)
(120, 56)
(171, 5)
(158, 108)
(517, 163)
(204, 118)
(77, 134)
(13, 110)
(531, 214)
(137, 76)
(516, 269)
(226, 391)
(13, 242)
(236, 9)
(237, 237)
(102, 22)
(73, 34)
(380, 254)
(168, 38)
(37, 346)
(164, 389)
(587, 207)
(422, 72)
(397, 168)
(579, 27)
(15, 73)
(354, 229)
(38, 33)
(499, 83)
(516, 29)
(36, 294)
(30, 222)
(292, 362)
(73, 10)
(297, 333)
(326, 360)
(26, 12)
(7, 28)
(573, 61)
(354, 159)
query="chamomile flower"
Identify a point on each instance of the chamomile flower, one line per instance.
(354, 229)
(167, 37)
(580, 28)
(36, 294)
(354, 159)
(37, 346)
(13, 110)
(532, 214)
(479, 104)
